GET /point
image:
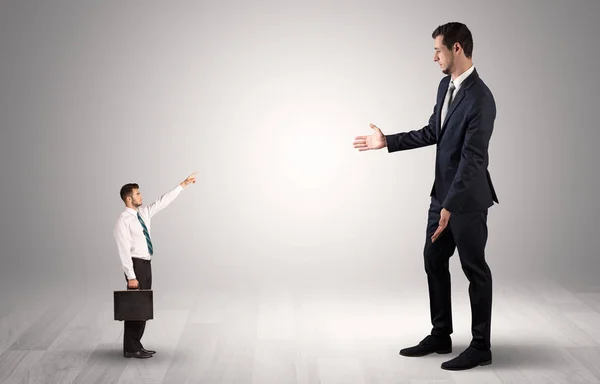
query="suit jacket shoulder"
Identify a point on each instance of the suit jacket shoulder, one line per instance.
(478, 88)
(480, 95)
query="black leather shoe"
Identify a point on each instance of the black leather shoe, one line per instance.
(137, 355)
(430, 344)
(148, 351)
(469, 358)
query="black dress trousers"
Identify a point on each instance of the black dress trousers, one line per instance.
(468, 233)
(134, 330)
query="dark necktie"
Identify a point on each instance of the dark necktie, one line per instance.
(446, 106)
(451, 89)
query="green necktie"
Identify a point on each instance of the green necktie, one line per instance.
(148, 241)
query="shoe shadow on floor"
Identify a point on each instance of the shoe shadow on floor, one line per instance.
(524, 356)
(108, 353)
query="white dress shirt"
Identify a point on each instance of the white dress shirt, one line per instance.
(129, 234)
(457, 83)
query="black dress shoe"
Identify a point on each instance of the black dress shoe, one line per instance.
(138, 355)
(430, 344)
(148, 351)
(469, 358)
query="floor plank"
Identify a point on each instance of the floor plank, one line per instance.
(104, 366)
(162, 334)
(541, 333)
(17, 321)
(15, 365)
(49, 325)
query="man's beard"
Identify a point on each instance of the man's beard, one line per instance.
(449, 67)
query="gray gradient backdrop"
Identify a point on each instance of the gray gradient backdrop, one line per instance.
(264, 100)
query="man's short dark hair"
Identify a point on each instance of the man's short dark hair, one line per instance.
(455, 33)
(127, 190)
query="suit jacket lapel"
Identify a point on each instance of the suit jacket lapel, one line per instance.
(457, 99)
(438, 117)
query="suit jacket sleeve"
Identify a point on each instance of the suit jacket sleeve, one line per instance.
(473, 155)
(413, 139)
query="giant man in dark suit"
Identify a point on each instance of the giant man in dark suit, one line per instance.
(460, 127)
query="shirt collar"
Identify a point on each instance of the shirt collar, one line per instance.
(131, 210)
(458, 81)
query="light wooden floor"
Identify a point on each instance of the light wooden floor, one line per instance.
(542, 333)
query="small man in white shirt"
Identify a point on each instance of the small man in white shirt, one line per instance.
(134, 245)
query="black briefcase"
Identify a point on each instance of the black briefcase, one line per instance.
(134, 304)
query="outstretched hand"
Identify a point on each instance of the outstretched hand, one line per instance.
(374, 141)
(191, 179)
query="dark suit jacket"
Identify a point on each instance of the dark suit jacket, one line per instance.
(462, 181)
